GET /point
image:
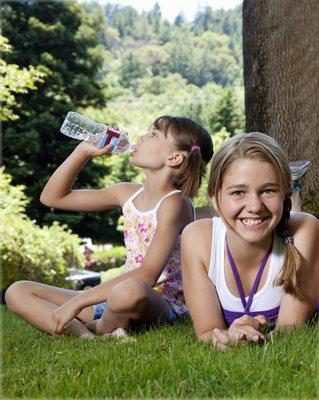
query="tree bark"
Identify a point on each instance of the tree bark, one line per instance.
(281, 74)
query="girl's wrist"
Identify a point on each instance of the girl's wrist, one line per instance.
(83, 150)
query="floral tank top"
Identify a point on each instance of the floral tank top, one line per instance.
(139, 230)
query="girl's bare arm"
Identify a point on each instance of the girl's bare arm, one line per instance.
(293, 311)
(200, 293)
(58, 192)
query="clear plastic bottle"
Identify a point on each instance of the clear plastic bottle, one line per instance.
(79, 127)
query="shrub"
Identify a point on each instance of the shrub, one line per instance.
(103, 260)
(111, 273)
(28, 251)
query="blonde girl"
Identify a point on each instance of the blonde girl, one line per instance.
(257, 262)
(173, 154)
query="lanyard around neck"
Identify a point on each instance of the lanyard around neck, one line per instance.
(239, 284)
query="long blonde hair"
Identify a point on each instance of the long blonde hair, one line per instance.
(256, 145)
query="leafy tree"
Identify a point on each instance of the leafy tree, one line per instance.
(131, 69)
(61, 39)
(15, 80)
(123, 19)
(180, 19)
(155, 18)
(227, 114)
(119, 67)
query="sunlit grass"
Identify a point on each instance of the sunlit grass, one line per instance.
(164, 363)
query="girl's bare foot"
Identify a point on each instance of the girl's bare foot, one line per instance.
(118, 333)
(91, 326)
(77, 329)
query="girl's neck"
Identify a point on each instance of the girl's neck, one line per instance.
(245, 253)
(153, 191)
(157, 185)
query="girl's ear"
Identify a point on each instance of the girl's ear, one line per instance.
(175, 158)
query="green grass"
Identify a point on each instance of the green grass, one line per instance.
(164, 363)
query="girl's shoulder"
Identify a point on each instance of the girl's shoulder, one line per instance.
(302, 222)
(200, 226)
(304, 228)
(197, 238)
(175, 206)
(125, 190)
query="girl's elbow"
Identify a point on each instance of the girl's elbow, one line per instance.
(48, 201)
(44, 200)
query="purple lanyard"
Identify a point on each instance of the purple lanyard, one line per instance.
(238, 280)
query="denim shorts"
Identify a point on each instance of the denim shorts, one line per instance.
(172, 315)
(98, 310)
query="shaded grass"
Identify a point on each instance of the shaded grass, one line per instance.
(164, 363)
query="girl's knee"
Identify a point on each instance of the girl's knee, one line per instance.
(128, 296)
(14, 292)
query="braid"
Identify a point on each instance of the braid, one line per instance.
(283, 226)
(289, 275)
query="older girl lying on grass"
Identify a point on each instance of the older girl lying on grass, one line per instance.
(256, 264)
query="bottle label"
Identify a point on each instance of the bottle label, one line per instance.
(111, 136)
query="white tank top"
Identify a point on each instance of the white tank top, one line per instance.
(268, 298)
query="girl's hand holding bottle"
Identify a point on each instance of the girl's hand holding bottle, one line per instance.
(79, 127)
(90, 150)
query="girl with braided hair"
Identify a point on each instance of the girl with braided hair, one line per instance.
(257, 263)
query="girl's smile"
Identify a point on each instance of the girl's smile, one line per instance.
(251, 199)
(253, 223)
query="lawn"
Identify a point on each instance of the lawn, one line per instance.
(164, 363)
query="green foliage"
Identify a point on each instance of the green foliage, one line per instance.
(62, 40)
(112, 273)
(14, 80)
(13, 201)
(227, 114)
(28, 251)
(118, 67)
(103, 260)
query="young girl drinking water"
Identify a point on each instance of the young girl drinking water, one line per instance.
(257, 262)
(173, 154)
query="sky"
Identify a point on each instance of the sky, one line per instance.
(171, 8)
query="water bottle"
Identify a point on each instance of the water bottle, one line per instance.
(79, 127)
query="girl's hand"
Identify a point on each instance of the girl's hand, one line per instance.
(222, 340)
(91, 150)
(248, 327)
(61, 316)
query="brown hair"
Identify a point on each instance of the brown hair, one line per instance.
(256, 145)
(188, 133)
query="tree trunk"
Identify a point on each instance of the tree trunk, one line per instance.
(281, 73)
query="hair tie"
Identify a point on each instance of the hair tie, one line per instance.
(287, 240)
(194, 148)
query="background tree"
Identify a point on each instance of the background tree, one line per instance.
(281, 72)
(60, 38)
(117, 66)
(227, 114)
